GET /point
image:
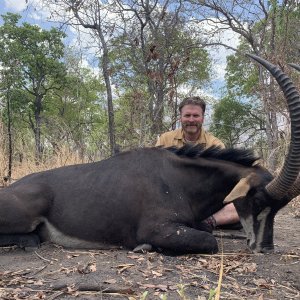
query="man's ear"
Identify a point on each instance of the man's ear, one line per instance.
(241, 188)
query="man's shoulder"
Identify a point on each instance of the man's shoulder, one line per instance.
(173, 133)
(211, 140)
(170, 138)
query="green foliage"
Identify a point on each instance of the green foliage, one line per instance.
(157, 63)
(181, 291)
(275, 38)
(59, 101)
(241, 74)
(144, 295)
(35, 51)
(154, 62)
(279, 32)
(234, 122)
(30, 58)
(77, 113)
(212, 293)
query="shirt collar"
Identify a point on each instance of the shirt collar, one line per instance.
(179, 135)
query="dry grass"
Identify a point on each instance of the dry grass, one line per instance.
(27, 165)
(24, 158)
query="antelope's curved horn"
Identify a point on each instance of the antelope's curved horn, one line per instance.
(294, 191)
(280, 185)
(297, 67)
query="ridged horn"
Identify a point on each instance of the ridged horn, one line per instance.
(294, 191)
(281, 184)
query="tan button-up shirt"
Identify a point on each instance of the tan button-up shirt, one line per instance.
(175, 138)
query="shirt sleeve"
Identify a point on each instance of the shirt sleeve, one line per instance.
(159, 141)
(211, 140)
(217, 142)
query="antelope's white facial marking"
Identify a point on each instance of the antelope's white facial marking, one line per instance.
(255, 239)
(264, 213)
(261, 218)
(247, 224)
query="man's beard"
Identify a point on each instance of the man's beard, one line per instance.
(196, 128)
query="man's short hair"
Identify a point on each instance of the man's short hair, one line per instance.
(194, 100)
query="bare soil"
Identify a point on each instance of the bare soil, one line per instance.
(52, 272)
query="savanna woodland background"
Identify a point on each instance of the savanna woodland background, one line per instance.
(144, 57)
(117, 88)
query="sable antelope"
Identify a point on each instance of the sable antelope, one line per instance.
(154, 196)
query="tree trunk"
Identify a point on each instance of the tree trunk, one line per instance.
(93, 22)
(110, 107)
(37, 128)
(9, 134)
(157, 121)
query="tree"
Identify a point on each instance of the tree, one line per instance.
(265, 27)
(144, 49)
(76, 115)
(158, 56)
(10, 75)
(236, 123)
(38, 53)
(92, 16)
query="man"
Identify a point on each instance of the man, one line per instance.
(192, 111)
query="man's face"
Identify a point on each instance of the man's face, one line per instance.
(191, 118)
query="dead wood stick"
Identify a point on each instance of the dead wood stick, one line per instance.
(41, 257)
(95, 288)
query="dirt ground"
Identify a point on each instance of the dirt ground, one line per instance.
(52, 272)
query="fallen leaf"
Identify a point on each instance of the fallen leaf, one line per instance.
(110, 281)
(262, 283)
(72, 256)
(133, 256)
(158, 274)
(124, 267)
(89, 268)
(146, 285)
(38, 282)
(250, 267)
(161, 287)
(93, 267)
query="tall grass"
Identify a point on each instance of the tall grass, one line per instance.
(24, 162)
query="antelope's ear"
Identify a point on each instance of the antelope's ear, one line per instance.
(241, 188)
